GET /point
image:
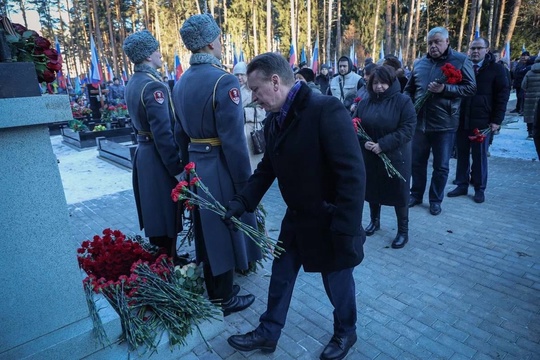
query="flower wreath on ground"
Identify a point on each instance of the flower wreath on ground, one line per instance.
(149, 293)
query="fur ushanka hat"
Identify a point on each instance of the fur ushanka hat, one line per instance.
(140, 45)
(198, 31)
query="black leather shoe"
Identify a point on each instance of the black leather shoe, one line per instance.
(338, 347)
(413, 201)
(400, 241)
(237, 303)
(252, 341)
(457, 192)
(373, 226)
(479, 197)
(435, 208)
(235, 290)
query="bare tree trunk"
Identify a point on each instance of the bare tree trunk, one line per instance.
(293, 30)
(462, 25)
(396, 27)
(416, 29)
(388, 23)
(122, 23)
(472, 20)
(146, 19)
(447, 15)
(377, 10)
(500, 23)
(309, 48)
(479, 17)
(255, 40)
(490, 22)
(338, 28)
(329, 31)
(212, 5)
(112, 36)
(513, 20)
(22, 7)
(427, 16)
(409, 31)
(268, 25)
(325, 28)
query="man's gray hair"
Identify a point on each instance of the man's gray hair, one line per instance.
(438, 30)
(272, 63)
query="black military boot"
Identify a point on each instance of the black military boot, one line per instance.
(402, 214)
(375, 214)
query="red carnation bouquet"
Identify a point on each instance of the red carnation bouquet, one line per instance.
(479, 135)
(390, 169)
(451, 75)
(150, 294)
(28, 46)
(185, 191)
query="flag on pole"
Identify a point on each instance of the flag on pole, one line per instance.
(505, 54)
(336, 69)
(110, 72)
(523, 49)
(77, 86)
(400, 56)
(351, 53)
(315, 58)
(303, 56)
(95, 70)
(178, 71)
(124, 76)
(477, 32)
(241, 57)
(381, 53)
(59, 75)
(292, 56)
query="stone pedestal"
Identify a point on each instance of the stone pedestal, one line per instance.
(43, 308)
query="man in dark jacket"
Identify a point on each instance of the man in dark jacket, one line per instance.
(484, 110)
(323, 79)
(156, 162)
(520, 70)
(438, 119)
(313, 151)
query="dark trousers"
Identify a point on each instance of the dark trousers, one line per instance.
(339, 287)
(520, 96)
(441, 144)
(478, 169)
(219, 287)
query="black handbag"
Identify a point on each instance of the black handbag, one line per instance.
(257, 137)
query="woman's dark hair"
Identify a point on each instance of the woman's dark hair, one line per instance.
(384, 74)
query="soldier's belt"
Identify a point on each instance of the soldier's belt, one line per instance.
(210, 141)
(145, 133)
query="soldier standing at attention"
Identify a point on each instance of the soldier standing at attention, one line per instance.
(156, 162)
(210, 132)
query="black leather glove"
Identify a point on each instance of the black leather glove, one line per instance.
(235, 208)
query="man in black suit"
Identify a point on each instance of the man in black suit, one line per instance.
(313, 151)
(481, 111)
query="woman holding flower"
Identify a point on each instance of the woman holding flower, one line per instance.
(389, 118)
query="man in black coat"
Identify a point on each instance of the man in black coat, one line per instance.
(313, 151)
(484, 110)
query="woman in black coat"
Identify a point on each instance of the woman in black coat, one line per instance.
(389, 118)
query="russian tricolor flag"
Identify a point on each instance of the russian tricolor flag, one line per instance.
(95, 70)
(178, 71)
(292, 56)
(315, 58)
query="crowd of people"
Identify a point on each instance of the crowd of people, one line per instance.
(331, 142)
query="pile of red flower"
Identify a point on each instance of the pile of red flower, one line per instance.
(148, 292)
(29, 46)
(479, 136)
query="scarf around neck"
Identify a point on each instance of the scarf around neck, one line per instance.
(204, 58)
(147, 69)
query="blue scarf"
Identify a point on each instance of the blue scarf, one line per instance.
(288, 102)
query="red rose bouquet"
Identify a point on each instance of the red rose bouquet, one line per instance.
(148, 292)
(390, 169)
(28, 46)
(184, 191)
(451, 75)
